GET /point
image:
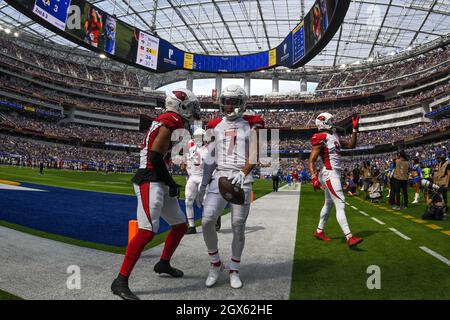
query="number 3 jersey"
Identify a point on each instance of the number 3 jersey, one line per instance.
(195, 159)
(232, 142)
(331, 150)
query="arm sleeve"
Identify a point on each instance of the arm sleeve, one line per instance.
(160, 168)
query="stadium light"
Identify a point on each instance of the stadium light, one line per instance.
(356, 62)
(16, 34)
(288, 70)
(370, 59)
(343, 66)
(102, 56)
(7, 31)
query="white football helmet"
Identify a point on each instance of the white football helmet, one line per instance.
(324, 121)
(198, 136)
(184, 102)
(237, 97)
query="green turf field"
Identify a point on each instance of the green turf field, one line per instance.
(114, 182)
(330, 270)
(7, 296)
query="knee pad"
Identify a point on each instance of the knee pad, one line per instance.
(208, 221)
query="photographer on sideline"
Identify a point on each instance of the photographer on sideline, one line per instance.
(441, 175)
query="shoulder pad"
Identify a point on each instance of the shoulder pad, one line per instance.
(213, 123)
(318, 138)
(254, 121)
(171, 120)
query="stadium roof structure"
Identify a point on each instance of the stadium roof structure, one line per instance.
(371, 29)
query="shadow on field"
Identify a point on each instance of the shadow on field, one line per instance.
(248, 230)
(251, 275)
(312, 265)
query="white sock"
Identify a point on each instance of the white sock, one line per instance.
(348, 236)
(191, 222)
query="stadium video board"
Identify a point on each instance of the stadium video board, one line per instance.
(99, 31)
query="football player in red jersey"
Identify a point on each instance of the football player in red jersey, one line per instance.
(235, 158)
(157, 193)
(92, 27)
(327, 145)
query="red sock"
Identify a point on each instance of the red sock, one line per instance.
(173, 240)
(134, 250)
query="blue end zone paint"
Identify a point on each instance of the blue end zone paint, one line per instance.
(84, 215)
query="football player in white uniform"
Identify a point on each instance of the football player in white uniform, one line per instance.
(327, 145)
(194, 168)
(233, 149)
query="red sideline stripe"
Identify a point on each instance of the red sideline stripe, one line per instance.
(213, 253)
(330, 187)
(145, 194)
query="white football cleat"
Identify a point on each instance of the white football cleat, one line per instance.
(213, 275)
(235, 281)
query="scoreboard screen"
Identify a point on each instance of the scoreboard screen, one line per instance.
(53, 11)
(87, 25)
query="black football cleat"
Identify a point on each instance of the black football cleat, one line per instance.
(164, 267)
(120, 288)
(191, 230)
(218, 223)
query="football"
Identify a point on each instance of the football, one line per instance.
(230, 192)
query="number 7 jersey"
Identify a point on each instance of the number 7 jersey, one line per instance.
(232, 140)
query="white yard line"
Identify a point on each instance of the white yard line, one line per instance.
(377, 221)
(363, 213)
(436, 255)
(401, 235)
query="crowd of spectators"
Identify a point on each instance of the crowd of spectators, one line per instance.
(377, 137)
(386, 72)
(119, 78)
(71, 130)
(17, 150)
(70, 74)
(45, 95)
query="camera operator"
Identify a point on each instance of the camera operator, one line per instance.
(441, 175)
(434, 200)
(400, 181)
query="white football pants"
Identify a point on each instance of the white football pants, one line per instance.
(190, 193)
(333, 196)
(212, 208)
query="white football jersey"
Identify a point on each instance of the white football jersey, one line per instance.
(232, 141)
(195, 159)
(331, 153)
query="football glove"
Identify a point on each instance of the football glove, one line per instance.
(315, 183)
(355, 122)
(238, 179)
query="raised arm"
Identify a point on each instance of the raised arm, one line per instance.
(352, 143)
